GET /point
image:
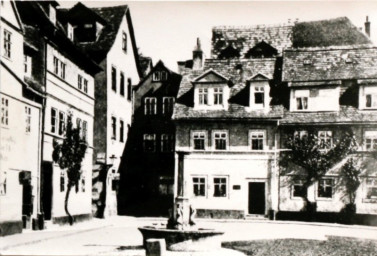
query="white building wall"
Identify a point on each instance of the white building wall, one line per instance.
(64, 95)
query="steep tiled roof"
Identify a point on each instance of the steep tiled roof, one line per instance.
(346, 114)
(338, 31)
(238, 72)
(336, 63)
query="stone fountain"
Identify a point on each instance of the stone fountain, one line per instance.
(181, 232)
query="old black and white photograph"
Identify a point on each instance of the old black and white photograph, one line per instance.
(188, 128)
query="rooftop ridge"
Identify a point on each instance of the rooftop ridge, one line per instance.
(332, 48)
(245, 27)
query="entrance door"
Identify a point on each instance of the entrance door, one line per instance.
(257, 199)
(47, 189)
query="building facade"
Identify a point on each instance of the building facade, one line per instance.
(234, 112)
(20, 128)
(67, 76)
(149, 167)
(107, 36)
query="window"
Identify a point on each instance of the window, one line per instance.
(84, 130)
(370, 140)
(121, 89)
(52, 14)
(302, 103)
(62, 181)
(160, 76)
(300, 134)
(168, 104)
(83, 183)
(259, 95)
(371, 188)
(59, 68)
(325, 139)
(27, 119)
(203, 96)
(166, 186)
(3, 183)
(27, 65)
(121, 131)
(7, 44)
(79, 82)
(298, 189)
(70, 31)
(325, 188)
(167, 143)
(129, 89)
(218, 96)
(220, 140)
(85, 86)
(4, 111)
(149, 142)
(220, 187)
(371, 100)
(114, 79)
(53, 120)
(150, 106)
(114, 128)
(124, 42)
(61, 123)
(257, 140)
(199, 186)
(78, 126)
(199, 140)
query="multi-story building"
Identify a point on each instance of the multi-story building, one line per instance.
(331, 90)
(67, 75)
(230, 108)
(20, 127)
(107, 36)
(149, 168)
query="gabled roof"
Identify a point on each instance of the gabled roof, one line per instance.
(113, 16)
(210, 76)
(326, 64)
(338, 31)
(260, 76)
(79, 13)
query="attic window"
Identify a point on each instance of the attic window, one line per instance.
(307, 62)
(160, 76)
(70, 31)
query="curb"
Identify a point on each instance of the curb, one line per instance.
(71, 232)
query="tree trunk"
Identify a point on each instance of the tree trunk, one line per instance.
(70, 218)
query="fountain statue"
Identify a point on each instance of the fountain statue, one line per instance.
(181, 232)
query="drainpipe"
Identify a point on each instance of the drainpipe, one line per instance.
(277, 168)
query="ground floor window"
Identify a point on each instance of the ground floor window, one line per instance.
(220, 186)
(298, 189)
(325, 188)
(166, 186)
(371, 188)
(199, 186)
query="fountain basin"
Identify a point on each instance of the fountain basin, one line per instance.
(196, 240)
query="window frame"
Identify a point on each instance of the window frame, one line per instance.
(114, 78)
(124, 41)
(27, 119)
(259, 90)
(79, 81)
(122, 84)
(320, 138)
(61, 123)
(146, 138)
(332, 186)
(167, 138)
(113, 128)
(129, 89)
(203, 96)
(54, 120)
(372, 136)
(214, 132)
(170, 102)
(7, 44)
(218, 96)
(297, 182)
(149, 103)
(205, 143)
(264, 139)
(199, 184)
(28, 65)
(121, 130)
(85, 130)
(372, 199)
(226, 186)
(301, 100)
(4, 120)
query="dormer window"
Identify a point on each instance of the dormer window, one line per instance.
(52, 14)
(259, 95)
(302, 103)
(203, 96)
(371, 100)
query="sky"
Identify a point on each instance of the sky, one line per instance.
(167, 30)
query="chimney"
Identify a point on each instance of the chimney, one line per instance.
(197, 56)
(367, 27)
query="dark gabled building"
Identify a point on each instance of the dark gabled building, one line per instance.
(148, 173)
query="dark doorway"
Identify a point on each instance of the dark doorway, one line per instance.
(47, 189)
(257, 200)
(27, 197)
